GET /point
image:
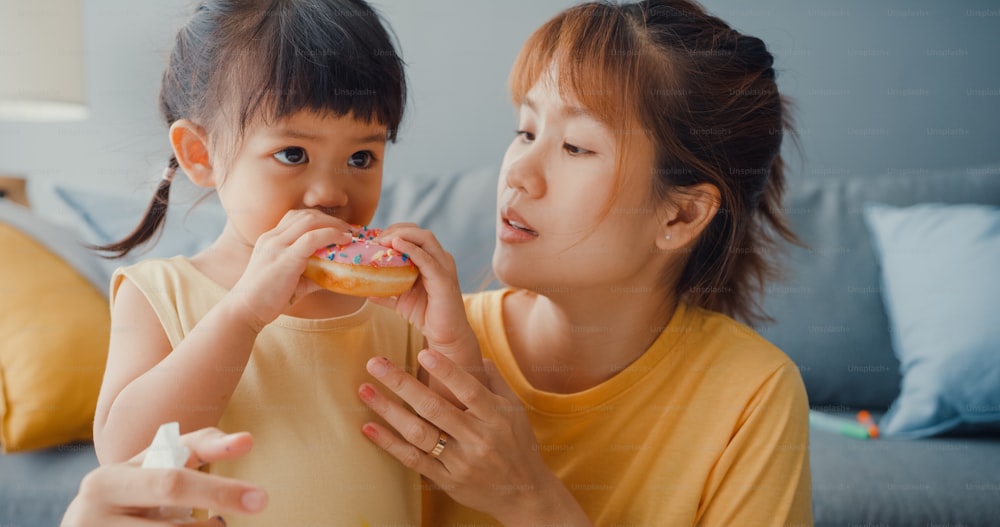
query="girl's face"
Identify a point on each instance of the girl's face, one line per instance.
(307, 160)
(569, 218)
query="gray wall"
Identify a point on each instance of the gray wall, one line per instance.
(880, 86)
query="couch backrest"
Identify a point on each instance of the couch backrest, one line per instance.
(829, 314)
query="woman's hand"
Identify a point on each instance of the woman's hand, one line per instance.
(124, 494)
(490, 461)
(273, 278)
(434, 305)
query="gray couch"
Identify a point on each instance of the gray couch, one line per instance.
(830, 320)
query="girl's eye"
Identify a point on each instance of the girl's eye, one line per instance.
(526, 136)
(292, 156)
(362, 159)
(575, 150)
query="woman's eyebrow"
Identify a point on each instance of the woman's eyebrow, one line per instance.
(564, 110)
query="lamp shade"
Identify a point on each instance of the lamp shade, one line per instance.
(41, 60)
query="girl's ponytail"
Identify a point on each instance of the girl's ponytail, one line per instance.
(152, 220)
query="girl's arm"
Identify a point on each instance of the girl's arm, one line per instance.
(434, 305)
(147, 384)
(491, 463)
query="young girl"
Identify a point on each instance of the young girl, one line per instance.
(284, 108)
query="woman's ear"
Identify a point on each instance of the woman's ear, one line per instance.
(686, 215)
(190, 144)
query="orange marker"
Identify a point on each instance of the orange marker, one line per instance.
(865, 418)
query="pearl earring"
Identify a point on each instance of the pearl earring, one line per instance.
(667, 237)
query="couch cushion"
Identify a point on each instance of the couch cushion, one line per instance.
(905, 483)
(56, 328)
(829, 313)
(940, 282)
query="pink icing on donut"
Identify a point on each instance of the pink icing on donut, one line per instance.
(364, 251)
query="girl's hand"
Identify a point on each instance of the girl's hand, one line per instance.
(490, 461)
(434, 305)
(273, 278)
(123, 494)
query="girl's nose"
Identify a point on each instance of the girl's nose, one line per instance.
(525, 172)
(325, 192)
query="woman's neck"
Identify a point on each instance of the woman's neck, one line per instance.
(569, 343)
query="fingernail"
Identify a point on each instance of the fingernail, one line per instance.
(254, 500)
(221, 520)
(369, 431)
(427, 359)
(377, 367)
(367, 393)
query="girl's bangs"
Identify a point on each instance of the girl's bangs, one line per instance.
(295, 63)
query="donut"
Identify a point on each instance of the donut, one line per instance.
(362, 267)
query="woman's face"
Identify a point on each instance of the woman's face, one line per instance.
(569, 217)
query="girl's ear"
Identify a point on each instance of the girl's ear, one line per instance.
(190, 144)
(686, 215)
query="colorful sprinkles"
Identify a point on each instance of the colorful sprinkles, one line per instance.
(364, 251)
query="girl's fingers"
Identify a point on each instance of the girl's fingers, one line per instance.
(427, 404)
(296, 223)
(396, 227)
(424, 261)
(310, 240)
(422, 238)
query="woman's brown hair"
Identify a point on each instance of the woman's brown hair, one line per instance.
(706, 96)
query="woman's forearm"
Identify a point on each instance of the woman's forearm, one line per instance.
(192, 385)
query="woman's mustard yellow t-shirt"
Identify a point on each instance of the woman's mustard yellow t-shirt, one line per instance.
(298, 396)
(709, 427)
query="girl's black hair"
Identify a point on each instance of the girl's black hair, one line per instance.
(238, 61)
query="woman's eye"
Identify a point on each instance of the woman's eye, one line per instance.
(526, 136)
(292, 156)
(575, 150)
(361, 159)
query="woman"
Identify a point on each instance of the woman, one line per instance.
(637, 212)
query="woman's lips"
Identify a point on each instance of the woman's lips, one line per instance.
(513, 228)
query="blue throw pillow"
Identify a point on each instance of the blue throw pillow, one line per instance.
(940, 269)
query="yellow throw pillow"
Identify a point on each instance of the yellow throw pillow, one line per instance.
(54, 330)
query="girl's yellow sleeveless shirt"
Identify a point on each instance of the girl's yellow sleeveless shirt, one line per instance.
(298, 397)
